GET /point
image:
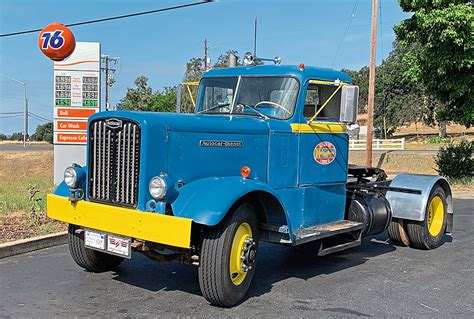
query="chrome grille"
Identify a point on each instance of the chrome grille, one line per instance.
(114, 160)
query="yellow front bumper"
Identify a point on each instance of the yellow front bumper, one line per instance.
(163, 229)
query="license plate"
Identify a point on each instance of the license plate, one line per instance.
(119, 245)
(95, 239)
(108, 243)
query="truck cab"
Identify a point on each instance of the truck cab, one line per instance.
(263, 158)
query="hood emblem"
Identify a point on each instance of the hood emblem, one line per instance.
(113, 123)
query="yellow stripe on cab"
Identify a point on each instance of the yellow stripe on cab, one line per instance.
(319, 128)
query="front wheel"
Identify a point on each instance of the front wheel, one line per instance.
(228, 256)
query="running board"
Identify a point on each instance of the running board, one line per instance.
(305, 235)
(338, 247)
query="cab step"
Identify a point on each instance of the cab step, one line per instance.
(337, 243)
(305, 235)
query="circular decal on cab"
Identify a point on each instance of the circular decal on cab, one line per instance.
(324, 153)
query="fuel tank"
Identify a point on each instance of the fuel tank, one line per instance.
(371, 209)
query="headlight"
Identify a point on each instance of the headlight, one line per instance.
(70, 177)
(157, 187)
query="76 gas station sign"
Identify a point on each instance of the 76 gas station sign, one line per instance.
(76, 92)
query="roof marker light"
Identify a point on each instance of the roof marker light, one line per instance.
(301, 67)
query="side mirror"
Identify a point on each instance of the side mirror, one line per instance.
(349, 104)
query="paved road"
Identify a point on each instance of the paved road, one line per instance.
(20, 147)
(374, 280)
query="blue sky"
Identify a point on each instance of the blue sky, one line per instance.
(159, 45)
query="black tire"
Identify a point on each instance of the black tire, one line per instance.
(397, 232)
(215, 280)
(418, 231)
(89, 259)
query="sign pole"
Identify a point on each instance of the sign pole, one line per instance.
(370, 106)
(25, 129)
(107, 83)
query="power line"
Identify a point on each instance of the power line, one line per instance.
(11, 112)
(41, 120)
(10, 116)
(345, 33)
(113, 18)
(39, 116)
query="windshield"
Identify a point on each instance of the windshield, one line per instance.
(259, 96)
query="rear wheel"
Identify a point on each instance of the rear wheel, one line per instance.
(397, 232)
(89, 259)
(428, 234)
(228, 256)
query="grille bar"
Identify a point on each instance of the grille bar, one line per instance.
(114, 157)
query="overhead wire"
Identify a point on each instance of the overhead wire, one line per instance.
(113, 18)
(346, 32)
(10, 116)
(39, 117)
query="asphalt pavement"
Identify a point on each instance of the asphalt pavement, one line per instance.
(29, 147)
(374, 280)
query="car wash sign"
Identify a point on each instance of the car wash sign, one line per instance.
(76, 93)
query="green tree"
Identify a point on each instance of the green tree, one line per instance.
(3, 137)
(17, 136)
(438, 38)
(43, 133)
(194, 70)
(223, 59)
(143, 98)
(398, 101)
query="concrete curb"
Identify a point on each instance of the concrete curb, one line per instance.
(30, 244)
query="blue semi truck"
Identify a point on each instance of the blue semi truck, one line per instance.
(264, 158)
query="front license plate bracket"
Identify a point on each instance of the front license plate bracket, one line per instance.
(108, 243)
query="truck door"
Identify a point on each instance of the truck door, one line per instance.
(323, 156)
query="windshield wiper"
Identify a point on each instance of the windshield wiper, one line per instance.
(213, 108)
(255, 110)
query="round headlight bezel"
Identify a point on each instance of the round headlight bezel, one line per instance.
(157, 187)
(70, 177)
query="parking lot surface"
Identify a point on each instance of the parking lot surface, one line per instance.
(373, 280)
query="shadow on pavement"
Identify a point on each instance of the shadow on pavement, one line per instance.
(275, 263)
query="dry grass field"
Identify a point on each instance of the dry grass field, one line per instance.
(394, 163)
(25, 179)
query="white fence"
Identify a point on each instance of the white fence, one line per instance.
(378, 144)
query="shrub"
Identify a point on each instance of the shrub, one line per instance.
(455, 160)
(437, 140)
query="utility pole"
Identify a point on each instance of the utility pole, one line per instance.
(25, 133)
(255, 39)
(205, 54)
(109, 72)
(370, 104)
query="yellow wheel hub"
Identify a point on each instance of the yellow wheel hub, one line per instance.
(435, 216)
(242, 254)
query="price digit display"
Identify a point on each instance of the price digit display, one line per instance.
(89, 103)
(90, 88)
(63, 102)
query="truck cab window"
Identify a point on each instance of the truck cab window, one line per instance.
(217, 94)
(316, 96)
(273, 97)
